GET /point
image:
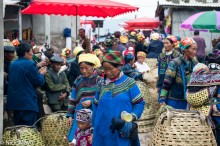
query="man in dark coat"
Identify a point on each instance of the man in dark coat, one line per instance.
(24, 79)
(9, 54)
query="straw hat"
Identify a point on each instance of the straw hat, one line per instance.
(123, 39)
(77, 50)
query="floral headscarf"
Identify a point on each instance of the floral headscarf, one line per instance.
(186, 43)
(172, 38)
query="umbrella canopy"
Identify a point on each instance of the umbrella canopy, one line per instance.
(143, 23)
(209, 20)
(88, 22)
(98, 8)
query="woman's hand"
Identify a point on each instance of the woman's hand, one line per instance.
(87, 103)
(90, 139)
(69, 122)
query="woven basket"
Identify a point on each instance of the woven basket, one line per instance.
(22, 136)
(198, 98)
(54, 129)
(151, 62)
(146, 122)
(182, 128)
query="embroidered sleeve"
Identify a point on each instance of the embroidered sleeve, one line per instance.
(72, 100)
(96, 99)
(137, 100)
(170, 76)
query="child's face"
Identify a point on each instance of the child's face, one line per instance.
(140, 59)
(83, 126)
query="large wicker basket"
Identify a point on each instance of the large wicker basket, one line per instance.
(146, 122)
(54, 129)
(182, 128)
(151, 62)
(22, 136)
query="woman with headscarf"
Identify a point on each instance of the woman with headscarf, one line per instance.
(155, 47)
(164, 59)
(83, 90)
(115, 94)
(177, 75)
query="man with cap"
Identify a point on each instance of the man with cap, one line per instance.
(9, 54)
(74, 70)
(57, 85)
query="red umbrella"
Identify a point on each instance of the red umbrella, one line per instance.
(143, 23)
(98, 8)
(87, 22)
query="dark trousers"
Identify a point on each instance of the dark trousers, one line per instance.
(25, 117)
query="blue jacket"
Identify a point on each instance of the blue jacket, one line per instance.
(154, 49)
(24, 78)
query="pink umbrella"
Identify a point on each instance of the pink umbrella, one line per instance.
(209, 20)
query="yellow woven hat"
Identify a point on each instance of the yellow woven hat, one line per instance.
(133, 33)
(123, 39)
(155, 36)
(91, 58)
(77, 50)
(140, 53)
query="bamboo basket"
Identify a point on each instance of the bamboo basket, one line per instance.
(54, 129)
(22, 136)
(182, 128)
(151, 62)
(146, 122)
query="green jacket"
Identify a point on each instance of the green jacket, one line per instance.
(56, 83)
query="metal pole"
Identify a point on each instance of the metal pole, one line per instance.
(76, 20)
(98, 32)
(47, 29)
(20, 23)
(1, 69)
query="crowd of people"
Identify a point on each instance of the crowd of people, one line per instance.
(97, 85)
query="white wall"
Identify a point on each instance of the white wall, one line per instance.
(57, 25)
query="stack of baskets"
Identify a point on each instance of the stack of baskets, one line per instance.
(185, 128)
(146, 122)
(22, 136)
(149, 93)
(54, 129)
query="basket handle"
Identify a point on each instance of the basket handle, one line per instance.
(170, 115)
(15, 129)
(38, 121)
